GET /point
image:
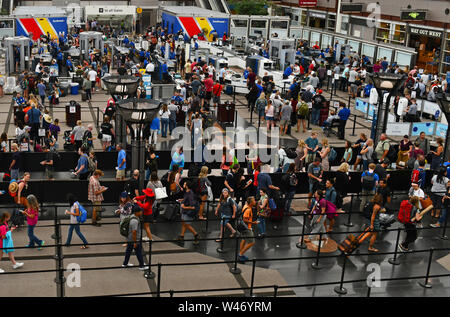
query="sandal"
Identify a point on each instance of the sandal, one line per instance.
(84, 247)
(233, 234)
(180, 238)
(218, 240)
(373, 250)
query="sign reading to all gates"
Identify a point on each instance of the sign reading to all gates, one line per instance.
(307, 3)
(425, 32)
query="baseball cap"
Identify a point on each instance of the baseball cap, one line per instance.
(123, 195)
(320, 91)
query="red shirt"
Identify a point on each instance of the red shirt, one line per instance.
(209, 83)
(217, 90)
(146, 205)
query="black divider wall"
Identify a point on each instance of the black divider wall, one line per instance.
(56, 191)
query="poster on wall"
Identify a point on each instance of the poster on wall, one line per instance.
(147, 79)
(427, 127)
(441, 130)
(398, 129)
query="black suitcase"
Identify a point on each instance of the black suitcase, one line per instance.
(171, 211)
(83, 96)
(17, 218)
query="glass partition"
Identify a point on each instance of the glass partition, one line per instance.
(315, 37)
(368, 50)
(384, 52)
(354, 45)
(340, 40)
(295, 33)
(305, 34)
(326, 41)
(403, 59)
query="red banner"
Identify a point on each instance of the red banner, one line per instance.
(307, 3)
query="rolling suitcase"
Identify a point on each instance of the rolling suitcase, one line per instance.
(351, 243)
(170, 212)
(83, 96)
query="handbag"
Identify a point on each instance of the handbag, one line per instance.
(210, 194)
(160, 193)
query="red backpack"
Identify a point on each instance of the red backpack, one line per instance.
(404, 214)
(415, 176)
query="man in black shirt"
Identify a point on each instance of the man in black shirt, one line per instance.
(19, 115)
(132, 186)
(16, 163)
(48, 162)
(384, 191)
(380, 170)
(318, 101)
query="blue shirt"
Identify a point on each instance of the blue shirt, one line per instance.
(20, 101)
(177, 99)
(264, 181)
(122, 156)
(83, 160)
(266, 54)
(69, 63)
(33, 115)
(155, 124)
(260, 88)
(171, 55)
(59, 57)
(163, 50)
(246, 74)
(344, 113)
(196, 45)
(41, 89)
(287, 71)
(384, 64)
(126, 40)
(312, 143)
(164, 68)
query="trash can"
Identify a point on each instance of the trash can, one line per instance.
(226, 112)
(74, 88)
(73, 113)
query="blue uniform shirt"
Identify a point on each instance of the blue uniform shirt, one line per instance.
(122, 155)
(287, 71)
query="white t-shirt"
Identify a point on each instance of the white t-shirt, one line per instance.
(150, 68)
(419, 193)
(92, 75)
(164, 115)
(283, 157)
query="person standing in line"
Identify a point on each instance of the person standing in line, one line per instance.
(95, 196)
(134, 239)
(344, 114)
(125, 208)
(16, 162)
(445, 206)
(41, 90)
(78, 133)
(74, 224)
(188, 206)
(369, 184)
(263, 212)
(366, 154)
(374, 221)
(439, 187)
(6, 241)
(248, 238)
(227, 209)
(87, 87)
(312, 145)
(319, 215)
(437, 156)
(204, 183)
(121, 163)
(146, 202)
(32, 214)
(324, 153)
(82, 169)
(411, 225)
(164, 113)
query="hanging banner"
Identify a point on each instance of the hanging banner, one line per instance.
(147, 79)
(441, 130)
(361, 105)
(397, 128)
(427, 127)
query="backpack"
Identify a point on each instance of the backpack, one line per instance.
(125, 225)
(410, 83)
(367, 90)
(293, 180)
(85, 139)
(367, 210)
(290, 153)
(83, 213)
(415, 176)
(392, 154)
(332, 156)
(410, 163)
(404, 214)
(368, 181)
(303, 109)
(241, 226)
(91, 165)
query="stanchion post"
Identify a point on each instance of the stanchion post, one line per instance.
(55, 220)
(301, 244)
(349, 100)
(251, 114)
(220, 248)
(426, 283)
(149, 274)
(309, 119)
(354, 125)
(369, 290)
(234, 94)
(235, 269)
(158, 285)
(316, 265)
(59, 280)
(349, 219)
(252, 282)
(394, 260)
(275, 290)
(341, 290)
(171, 293)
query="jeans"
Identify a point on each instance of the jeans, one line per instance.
(164, 125)
(172, 125)
(365, 165)
(42, 99)
(75, 226)
(138, 250)
(286, 167)
(32, 237)
(262, 225)
(289, 196)
(315, 115)
(443, 216)
(88, 94)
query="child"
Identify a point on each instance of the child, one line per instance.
(6, 241)
(32, 213)
(327, 123)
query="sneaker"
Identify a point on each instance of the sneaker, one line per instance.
(145, 239)
(2, 271)
(241, 259)
(42, 244)
(143, 268)
(435, 225)
(128, 265)
(17, 265)
(244, 257)
(401, 247)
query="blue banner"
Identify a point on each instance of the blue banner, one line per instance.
(361, 106)
(427, 127)
(441, 130)
(147, 79)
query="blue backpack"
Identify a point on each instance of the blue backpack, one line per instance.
(367, 90)
(83, 213)
(272, 204)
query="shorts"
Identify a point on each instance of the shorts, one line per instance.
(248, 236)
(284, 122)
(147, 218)
(225, 221)
(208, 95)
(120, 173)
(269, 118)
(301, 117)
(106, 138)
(310, 158)
(186, 218)
(216, 99)
(313, 187)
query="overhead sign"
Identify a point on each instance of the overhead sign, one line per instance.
(425, 32)
(307, 3)
(417, 15)
(110, 10)
(317, 15)
(352, 7)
